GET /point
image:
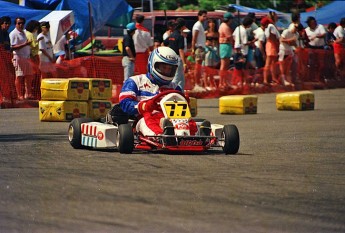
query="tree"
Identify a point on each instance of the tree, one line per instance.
(210, 5)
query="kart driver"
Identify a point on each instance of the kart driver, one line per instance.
(137, 92)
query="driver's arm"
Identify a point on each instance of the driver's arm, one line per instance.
(128, 97)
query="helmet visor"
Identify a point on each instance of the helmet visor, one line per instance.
(165, 69)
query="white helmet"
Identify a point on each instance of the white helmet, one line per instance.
(162, 65)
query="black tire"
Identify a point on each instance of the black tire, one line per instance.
(125, 139)
(231, 138)
(74, 132)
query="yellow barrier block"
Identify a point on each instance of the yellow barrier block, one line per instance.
(99, 88)
(64, 89)
(98, 108)
(296, 101)
(193, 106)
(238, 104)
(62, 110)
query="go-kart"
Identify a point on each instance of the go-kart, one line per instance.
(118, 130)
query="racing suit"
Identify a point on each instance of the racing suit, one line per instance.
(141, 87)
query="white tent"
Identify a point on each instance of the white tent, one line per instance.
(60, 22)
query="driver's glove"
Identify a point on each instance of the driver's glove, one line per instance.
(147, 106)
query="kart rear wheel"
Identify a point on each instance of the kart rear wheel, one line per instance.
(230, 139)
(125, 139)
(74, 132)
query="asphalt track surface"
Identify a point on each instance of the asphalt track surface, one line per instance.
(289, 176)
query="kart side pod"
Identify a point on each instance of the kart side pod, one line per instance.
(98, 135)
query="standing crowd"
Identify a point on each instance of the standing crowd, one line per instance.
(31, 55)
(255, 52)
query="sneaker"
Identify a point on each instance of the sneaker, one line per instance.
(205, 128)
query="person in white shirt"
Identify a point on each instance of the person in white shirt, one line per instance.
(46, 54)
(272, 48)
(260, 39)
(338, 46)
(143, 44)
(241, 37)
(59, 48)
(20, 46)
(288, 40)
(316, 34)
(198, 45)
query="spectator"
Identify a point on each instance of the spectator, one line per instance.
(5, 23)
(46, 55)
(176, 43)
(250, 34)
(288, 40)
(143, 44)
(21, 55)
(295, 19)
(60, 49)
(272, 47)
(170, 29)
(185, 33)
(338, 45)
(316, 34)
(31, 30)
(198, 45)
(157, 42)
(241, 37)
(238, 78)
(211, 64)
(212, 32)
(260, 40)
(225, 47)
(128, 52)
(7, 86)
(302, 37)
(330, 37)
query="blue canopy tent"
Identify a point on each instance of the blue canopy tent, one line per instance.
(14, 10)
(332, 12)
(114, 13)
(283, 18)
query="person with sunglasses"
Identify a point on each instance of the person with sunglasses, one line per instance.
(20, 46)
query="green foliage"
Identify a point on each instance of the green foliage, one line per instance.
(210, 5)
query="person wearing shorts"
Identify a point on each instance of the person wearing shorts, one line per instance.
(21, 60)
(288, 39)
(272, 48)
(225, 47)
(338, 46)
(198, 45)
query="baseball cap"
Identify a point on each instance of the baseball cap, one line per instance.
(131, 27)
(185, 29)
(265, 21)
(228, 15)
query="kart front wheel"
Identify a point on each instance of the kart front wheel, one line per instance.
(125, 139)
(230, 139)
(74, 132)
